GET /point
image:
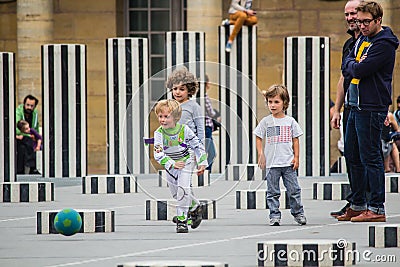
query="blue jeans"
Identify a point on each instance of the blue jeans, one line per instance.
(210, 147)
(289, 178)
(364, 159)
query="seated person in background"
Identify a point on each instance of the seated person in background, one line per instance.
(26, 156)
(240, 13)
(389, 148)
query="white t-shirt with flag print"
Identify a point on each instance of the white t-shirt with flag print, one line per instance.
(278, 137)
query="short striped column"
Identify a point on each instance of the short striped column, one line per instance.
(187, 48)
(331, 190)
(312, 252)
(109, 184)
(64, 110)
(307, 79)
(180, 263)
(7, 117)
(342, 167)
(244, 172)
(165, 209)
(197, 180)
(384, 236)
(392, 183)
(257, 199)
(127, 105)
(26, 192)
(93, 221)
(238, 93)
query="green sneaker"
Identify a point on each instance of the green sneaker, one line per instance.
(197, 216)
(175, 220)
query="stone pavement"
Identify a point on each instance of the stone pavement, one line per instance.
(231, 238)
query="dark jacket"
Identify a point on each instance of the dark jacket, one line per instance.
(375, 73)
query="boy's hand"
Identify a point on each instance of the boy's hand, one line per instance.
(261, 161)
(179, 165)
(200, 170)
(295, 163)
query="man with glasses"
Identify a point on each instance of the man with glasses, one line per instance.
(350, 14)
(370, 66)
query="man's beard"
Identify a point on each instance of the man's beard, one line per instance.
(27, 111)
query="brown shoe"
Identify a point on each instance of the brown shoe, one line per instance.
(369, 216)
(350, 213)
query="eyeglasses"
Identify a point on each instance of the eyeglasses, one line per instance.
(365, 22)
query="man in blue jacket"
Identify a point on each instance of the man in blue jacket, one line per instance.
(370, 66)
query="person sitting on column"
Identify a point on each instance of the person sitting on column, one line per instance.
(240, 13)
(26, 156)
(172, 144)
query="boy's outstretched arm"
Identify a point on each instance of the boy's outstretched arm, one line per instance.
(296, 152)
(260, 151)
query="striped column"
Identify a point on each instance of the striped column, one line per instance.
(384, 236)
(173, 263)
(109, 184)
(331, 190)
(342, 167)
(186, 48)
(238, 96)
(244, 172)
(307, 79)
(64, 110)
(127, 105)
(165, 209)
(197, 180)
(93, 221)
(392, 183)
(306, 252)
(26, 191)
(7, 117)
(257, 199)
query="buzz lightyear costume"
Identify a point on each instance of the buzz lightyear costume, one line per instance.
(179, 144)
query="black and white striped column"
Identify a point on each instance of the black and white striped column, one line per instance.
(174, 263)
(306, 252)
(244, 172)
(384, 236)
(26, 192)
(342, 167)
(392, 183)
(7, 117)
(197, 180)
(331, 190)
(238, 96)
(307, 79)
(93, 221)
(187, 48)
(127, 105)
(165, 209)
(257, 199)
(64, 110)
(109, 184)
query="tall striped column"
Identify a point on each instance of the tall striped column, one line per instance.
(127, 105)
(307, 79)
(7, 117)
(185, 48)
(64, 110)
(238, 93)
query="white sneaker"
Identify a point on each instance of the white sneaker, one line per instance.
(300, 219)
(274, 221)
(225, 22)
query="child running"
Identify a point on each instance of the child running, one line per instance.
(280, 155)
(172, 142)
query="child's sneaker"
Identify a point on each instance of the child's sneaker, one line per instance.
(197, 216)
(275, 221)
(181, 224)
(228, 47)
(225, 22)
(175, 220)
(300, 219)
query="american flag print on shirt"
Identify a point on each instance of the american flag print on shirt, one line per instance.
(279, 134)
